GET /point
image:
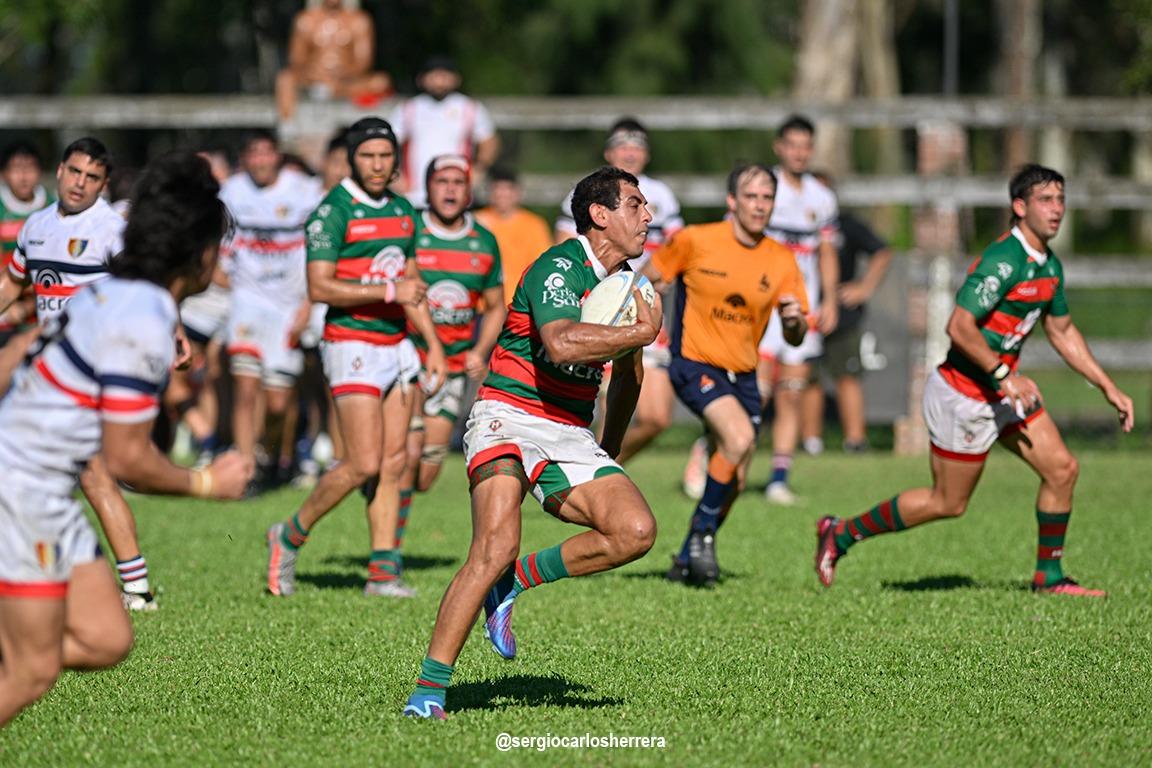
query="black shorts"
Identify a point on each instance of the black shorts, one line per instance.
(698, 384)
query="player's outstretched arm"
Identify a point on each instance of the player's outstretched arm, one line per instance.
(1067, 340)
(623, 394)
(10, 290)
(131, 456)
(568, 341)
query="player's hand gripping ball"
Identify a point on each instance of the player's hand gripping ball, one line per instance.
(612, 301)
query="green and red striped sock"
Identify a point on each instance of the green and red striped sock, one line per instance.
(434, 679)
(539, 568)
(384, 565)
(402, 520)
(294, 534)
(882, 518)
(1050, 547)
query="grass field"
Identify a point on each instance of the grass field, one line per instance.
(928, 651)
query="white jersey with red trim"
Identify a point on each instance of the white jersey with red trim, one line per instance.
(106, 360)
(427, 127)
(666, 219)
(60, 254)
(265, 256)
(802, 219)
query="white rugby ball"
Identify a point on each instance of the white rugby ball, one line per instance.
(611, 302)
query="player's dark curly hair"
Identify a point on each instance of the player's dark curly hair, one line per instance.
(602, 187)
(1029, 176)
(176, 214)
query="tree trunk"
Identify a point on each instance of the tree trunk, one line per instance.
(1021, 32)
(826, 72)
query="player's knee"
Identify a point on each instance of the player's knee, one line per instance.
(494, 554)
(363, 466)
(394, 463)
(951, 507)
(635, 537)
(1065, 472)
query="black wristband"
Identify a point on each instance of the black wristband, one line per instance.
(1000, 372)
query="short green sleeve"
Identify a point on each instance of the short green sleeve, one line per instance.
(1059, 305)
(986, 285)
(553, 288)
(495, 276)
(325, 232)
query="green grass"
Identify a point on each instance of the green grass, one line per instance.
(929, 650)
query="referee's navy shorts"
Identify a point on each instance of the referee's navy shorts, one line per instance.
(698, 384)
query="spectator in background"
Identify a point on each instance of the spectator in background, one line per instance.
(330, 54)
(441, 121)
(841, 358)
(21, 195)
(521, 234)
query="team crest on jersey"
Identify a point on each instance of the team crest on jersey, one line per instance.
(1005, 270)
(282, 211)
(76, 247)
(324, 210)
(495, 426)
(357, 363)
(47, 554)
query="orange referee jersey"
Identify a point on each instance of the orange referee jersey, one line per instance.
(522, 237)
(725, 293)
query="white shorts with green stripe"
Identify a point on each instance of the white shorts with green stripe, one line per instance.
(556, 457)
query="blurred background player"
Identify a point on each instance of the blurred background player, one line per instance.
(60, 250)
(270, 307)
(729, 278)
(21, 195)
(442, 121)
(804, 219)
(529, 430)
(193, 396)
(841, 359)
(521, 234)
(977, 397)
(94, 386)
(330, 55)
(362, 264)
(627, 148)
(460, 262)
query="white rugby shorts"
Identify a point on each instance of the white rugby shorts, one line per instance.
(360, 368)
(43, 536)
(556, 457)
(258, 342)
(962, 428)
(774, 347)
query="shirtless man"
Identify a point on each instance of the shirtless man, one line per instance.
(331, 53)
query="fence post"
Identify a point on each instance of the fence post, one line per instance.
(942, 149)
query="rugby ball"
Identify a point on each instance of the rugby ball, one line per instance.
(611, 302)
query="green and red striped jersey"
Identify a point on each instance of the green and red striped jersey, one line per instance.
(13, 213)
(458, 267)
(370, 241)
(1008, 290)
(520, 372)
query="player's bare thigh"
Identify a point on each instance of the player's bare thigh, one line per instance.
(98, 632)
(611, 505)
(731, 427)
(1040, 444)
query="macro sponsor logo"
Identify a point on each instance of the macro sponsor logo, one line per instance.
(450, 302)
(387, 265)
(733, 315)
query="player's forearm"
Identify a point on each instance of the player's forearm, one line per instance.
(877, 268)
(620, 404)
(590, 343)
(487, 152)
(341, 293)
(421, 318)
(1069, 343)
(829, 271)
(141, 465)
(10, 290)
(490, 326)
